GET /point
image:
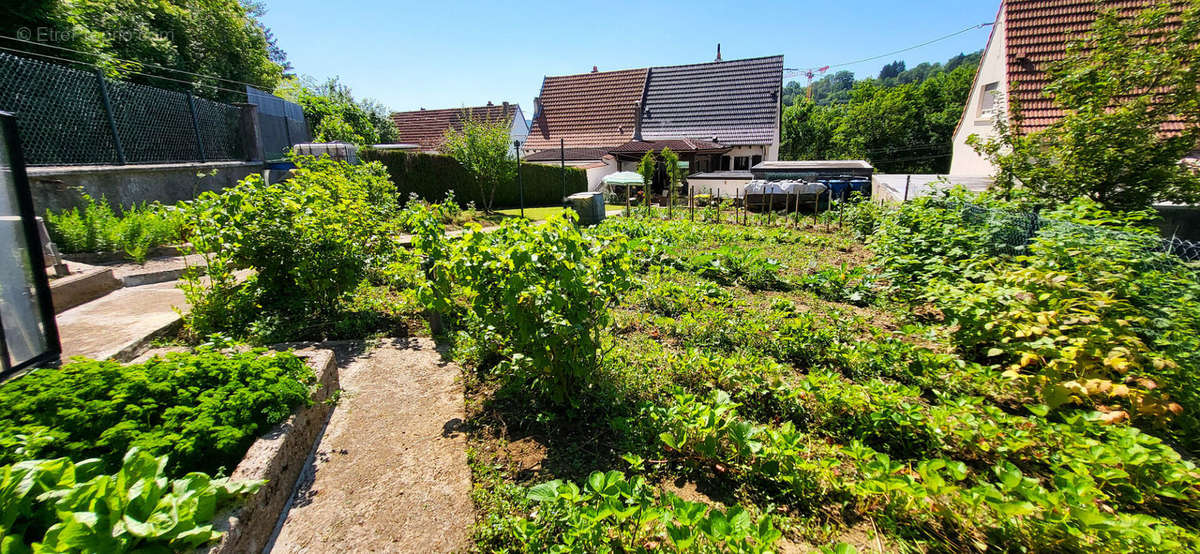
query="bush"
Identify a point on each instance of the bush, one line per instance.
(97, 228)
(60, 506)
(536, 294)
(432, 176)
(203, 409)
(310, 240)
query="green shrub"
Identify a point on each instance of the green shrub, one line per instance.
(1094, 316)
(537, 294)
(310, 240)
(97, 228)
(203, 409)
(60, 506)
(432, 176)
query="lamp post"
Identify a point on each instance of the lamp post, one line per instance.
(520, 185)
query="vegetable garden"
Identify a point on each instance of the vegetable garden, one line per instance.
(938, 376)
(943, 387)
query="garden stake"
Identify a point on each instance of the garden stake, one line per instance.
(628, 210)
(691, 204)
(718, 205)
(816, 197)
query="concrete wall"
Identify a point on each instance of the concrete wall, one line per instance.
(727, 188)
(892, 187)
(59, 188)
(992, 69)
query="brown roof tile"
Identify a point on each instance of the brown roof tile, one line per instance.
(571, 154)
(428, 127)
(590, 110)
(678, 145)
(1037, 34)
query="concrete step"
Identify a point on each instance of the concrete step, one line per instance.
(121, 324)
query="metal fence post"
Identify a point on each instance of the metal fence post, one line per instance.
(196, 126)
(112, 121)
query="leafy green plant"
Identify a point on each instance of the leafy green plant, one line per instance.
(60, 506)
(310, 240)
(614, 513)
(538, 294)
(96, 227)
(202, 408)
(852, 285)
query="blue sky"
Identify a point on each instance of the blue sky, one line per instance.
(447, 54)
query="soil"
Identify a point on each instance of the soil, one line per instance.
(390, 473)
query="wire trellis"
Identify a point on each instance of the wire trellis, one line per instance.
(1012, 231)
(69, 116)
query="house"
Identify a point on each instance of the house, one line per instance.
(721, 115)
(1027, 36)
(425, 129)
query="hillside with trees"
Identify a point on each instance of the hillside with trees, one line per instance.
(902, 121)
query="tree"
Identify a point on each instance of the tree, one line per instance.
(482, 147)
(213, 39)
(671, 164)
(891, 70)
(334, 115)
(899, 128)
(646, 169)
(1118, 87)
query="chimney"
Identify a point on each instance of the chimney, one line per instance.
(637, 122)
(595, 69)
(718, 52)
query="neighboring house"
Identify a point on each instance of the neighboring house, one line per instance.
(1028, 36)
(722, 115)
(595, 161)
(427, 128)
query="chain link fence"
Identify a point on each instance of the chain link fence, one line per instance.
(68, 116)
(1012, 231)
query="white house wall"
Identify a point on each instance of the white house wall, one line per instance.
(992, 69)
(520, 129)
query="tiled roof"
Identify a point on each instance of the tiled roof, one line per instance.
(1037, 34)
(572, 154)
(735, 101)
(678, 145)
(590, 110)
(428, 127)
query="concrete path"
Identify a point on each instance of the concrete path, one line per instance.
(390, 473)
(120, 323)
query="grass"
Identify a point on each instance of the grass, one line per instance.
(543, 212)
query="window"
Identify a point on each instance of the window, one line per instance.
(755, 160)
(725, 163)
(987, 100)
(741, 163)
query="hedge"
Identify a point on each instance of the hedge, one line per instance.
(431, 176)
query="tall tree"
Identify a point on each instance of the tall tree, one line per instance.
(334, 115)
(891, 70)
(1131, 111)
(215, 39)
(899, 128)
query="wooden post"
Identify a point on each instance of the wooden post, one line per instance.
(628, 209)
(816, 199)
(907, 182)
(796, 216)
(828, 206)
(692, 203)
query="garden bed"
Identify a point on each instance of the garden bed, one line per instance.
(776, 388)
(278, 457)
